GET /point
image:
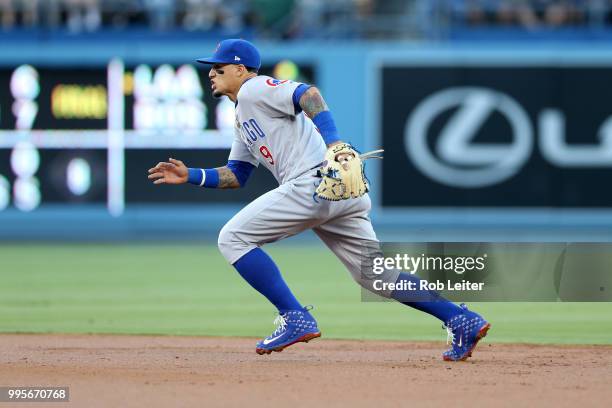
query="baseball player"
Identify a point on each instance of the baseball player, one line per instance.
(286, 127)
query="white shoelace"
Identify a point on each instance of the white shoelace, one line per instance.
(281, 323)
(450, 337)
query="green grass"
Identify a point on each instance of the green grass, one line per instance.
(191, 290)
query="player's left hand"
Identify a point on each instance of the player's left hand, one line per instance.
(342, 173)
(174, 172)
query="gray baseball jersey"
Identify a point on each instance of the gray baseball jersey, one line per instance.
(270, 132)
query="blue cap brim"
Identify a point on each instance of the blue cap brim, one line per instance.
(209, 60)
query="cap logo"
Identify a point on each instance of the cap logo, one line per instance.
(236, 58)
(218, 46)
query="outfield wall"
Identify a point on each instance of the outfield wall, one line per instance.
(483, 141)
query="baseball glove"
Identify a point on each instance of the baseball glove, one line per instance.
(342, 173)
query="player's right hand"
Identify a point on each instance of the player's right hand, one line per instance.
(174, 172)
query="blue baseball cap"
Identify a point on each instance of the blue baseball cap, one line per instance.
(234, 51)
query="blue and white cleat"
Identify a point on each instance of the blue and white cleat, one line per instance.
(464, 331)
(293, 326)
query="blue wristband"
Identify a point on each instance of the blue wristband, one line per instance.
(209, 177)
(212, 178)
(326, 125)
(195, 176)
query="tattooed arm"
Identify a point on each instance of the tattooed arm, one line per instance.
(227, 178)
(312, 102)
(314, 106)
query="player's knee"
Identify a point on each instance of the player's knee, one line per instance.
(227, 242)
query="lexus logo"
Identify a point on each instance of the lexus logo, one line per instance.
(457, 160)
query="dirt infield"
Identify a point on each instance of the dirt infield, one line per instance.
(104, 370)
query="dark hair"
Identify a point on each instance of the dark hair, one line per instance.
(253, 70)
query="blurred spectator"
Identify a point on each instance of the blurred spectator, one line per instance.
(161, 14)
(122, 14)
(306, 18)
(273, 16)
(51, 11)
(233, 13)
(525, 14)
(343, 18)
(364, 8)
(8, 14)
(28, 9)
(83, 15)
(201, 14)
(521, 13)
(22, 12)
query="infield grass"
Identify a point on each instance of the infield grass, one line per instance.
(191, 290)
